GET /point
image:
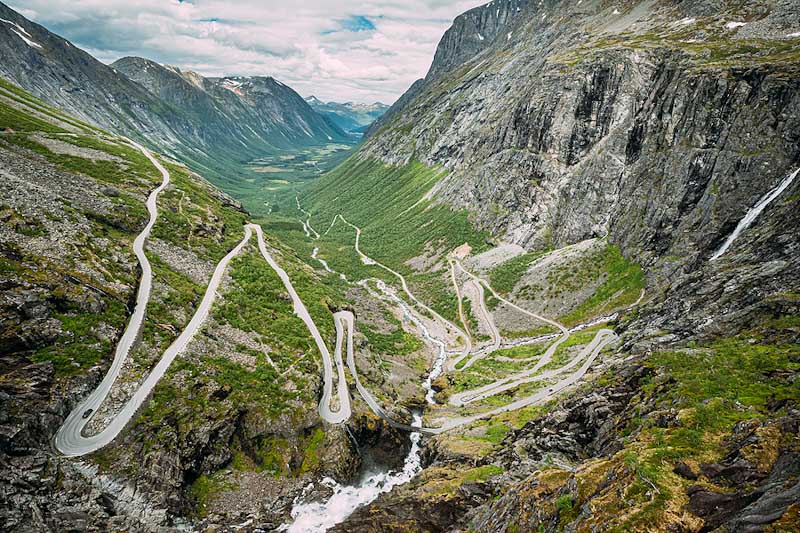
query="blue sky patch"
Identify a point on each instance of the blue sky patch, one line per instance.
(354, 23)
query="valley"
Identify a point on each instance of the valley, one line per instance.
(117, 404)
(554, 287)
(265, 183)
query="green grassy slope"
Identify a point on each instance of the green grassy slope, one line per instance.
(388, 204)
(398, 223)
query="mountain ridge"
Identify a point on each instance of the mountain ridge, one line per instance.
(654, 127)
(352, 117)
(220, 136)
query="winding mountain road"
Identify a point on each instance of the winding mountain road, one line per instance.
(461, 315)
(71, 442)
(603, 339)
(369, 261)
(344, 411)
(487, 318)
(548, 353)
(307, 228)
(345, 321)
(69, 439)
(528, 376)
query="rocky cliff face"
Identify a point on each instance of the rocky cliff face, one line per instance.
(561, 99)
(471, 33)
(656, 124)
(211, 124)
(478, 30)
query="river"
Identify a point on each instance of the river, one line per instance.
(317, 517)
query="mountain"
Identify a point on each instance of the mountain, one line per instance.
(539, 164)
(471, 33)
(214, 124)
(395, 108)
(351, 117)
(253, 109)
(561, 272)
(650, 129)
(477, 30)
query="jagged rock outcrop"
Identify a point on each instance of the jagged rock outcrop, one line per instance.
(583, 426)
(749, 495)
(579, 448)
(475, 31)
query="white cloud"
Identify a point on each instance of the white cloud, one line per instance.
(320, 47)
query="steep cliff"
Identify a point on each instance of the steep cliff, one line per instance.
(471, 33)
(657, 124)
(477, 30)
(655, 127)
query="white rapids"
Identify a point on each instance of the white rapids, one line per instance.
(317, 517)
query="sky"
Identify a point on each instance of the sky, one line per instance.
(340, 50)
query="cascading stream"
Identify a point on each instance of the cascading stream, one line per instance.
(441, 358)
(317, 517)
(753, 213)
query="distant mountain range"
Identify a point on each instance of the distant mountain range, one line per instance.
(351, 117)
(214, 124)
